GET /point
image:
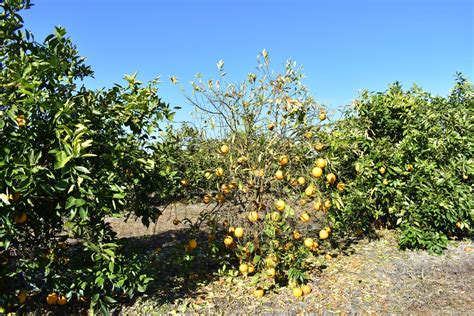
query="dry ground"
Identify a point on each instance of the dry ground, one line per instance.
(376, 277)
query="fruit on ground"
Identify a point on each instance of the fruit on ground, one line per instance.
(52, 299)
(279, 175)
(192, 244)
(306, 289)
(321, 163)
(323, 234)
(22, 297)
(331, 178)
(317, 172)
(280, 205)
(243, 268)
(224, 149)
(283, 160)
(219, 172)
(259, 292)
(297, 292)
(62, 300)
(228, 241)
(305, 217)
(253, 216)
(20, 219)
(239, 232)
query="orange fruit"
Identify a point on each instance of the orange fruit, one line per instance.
(62, 300)
(317, 205)
(271, 126)
(192, 244)
(251, 269)
(328, 229)
(220, 198)
(322, 115)
(239, 232)
(327, 204)
(185, 182)
(219, 172)
(410, 168)
(243, 268)
(309, 191)
(382, 170)
(319, 146)
(331, 178)
(22, 296)
(308, 242)
(228, 241)
(259, 292)
(308, 135)
(297, 292)
(206, 199)
(241, 160)
(296, 235)
(283, 160)
(275, 216)
(20, 219)
(224, 149)
(323, 234)
(328, 257)
(314, 246)
(279, 175)
(20, 119)
(231, 229)
(301, 180)
(321, 163)
(52, 299)
(305, 217)
(225, 188)
(306, 289)
(271, 272)
(253, 216)
(317, 172)
(176, 221)
(385, 181)
(341, 186)
(280, 205)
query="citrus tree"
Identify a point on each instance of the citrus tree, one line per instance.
(69, 157)
(255, 160)
(407, 159)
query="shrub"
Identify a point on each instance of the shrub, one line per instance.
(69, 157)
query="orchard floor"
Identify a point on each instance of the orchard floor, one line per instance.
(368, 276)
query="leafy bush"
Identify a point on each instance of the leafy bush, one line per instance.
(68, 158)
(407, 160)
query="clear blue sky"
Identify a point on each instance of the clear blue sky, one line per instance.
(344, 46)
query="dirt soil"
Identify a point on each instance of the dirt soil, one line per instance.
(370, 276)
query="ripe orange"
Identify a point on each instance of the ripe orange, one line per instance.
(319, 146)
(341, 186)
(271, 126)
(297, 292)
(224, 149)
(321, 163)
(280, 205)
(275, 216)
(314, 246)
(410, 168)
(327, 204)
(239, 232)
(328, 229)
(206, 199)
(219, 172)
(220, 198)
(308, 242)
(283, 160)
(271, 272)
(231, 229)
(296, 235)
(322, 115)
(309, 191)
(253, 216)
(317, 205)
(323, 234)
(225, 188)
(22, 296)
(251, 269)
(301, 180)
(331, 178)
(21, 218)
(20, 119)
(62, 300)
(259, 292)
(228, 241)
(306, 289)
(305, 217)
(192, 244)
(243, 268)
(328, 257)
(52, 299)
(382, 170)
(279, 175)
(385, 181)
(317, 172)
(308, 135)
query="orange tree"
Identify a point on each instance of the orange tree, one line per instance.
(255, 162)
(68, 158)
(407, 159)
